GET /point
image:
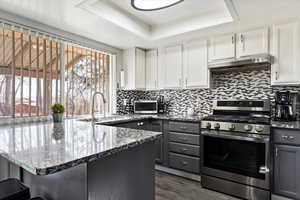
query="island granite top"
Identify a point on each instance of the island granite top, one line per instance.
(286, 125)
(134, 117)
(45, 148)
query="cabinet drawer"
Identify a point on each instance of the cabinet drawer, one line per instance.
(186, 163)
(286, 136)
(184, 138)
(184, 149)
(184, 127)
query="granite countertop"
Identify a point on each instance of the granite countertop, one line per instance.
(287, 125)
(45, 148)
(133, 117)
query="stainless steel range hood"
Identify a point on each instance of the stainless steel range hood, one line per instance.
(241, 62)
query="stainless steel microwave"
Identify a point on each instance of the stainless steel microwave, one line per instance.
(145, 107)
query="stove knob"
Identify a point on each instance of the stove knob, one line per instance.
(231, 127)
(208, 125)
(217, 126)
(248, 127)
(259, 128)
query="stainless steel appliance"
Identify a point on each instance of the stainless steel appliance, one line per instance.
(235, 148)
(286, 105)
(145, 107)
(247, 61)
(161, 104)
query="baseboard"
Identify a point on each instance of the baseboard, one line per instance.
(180, 173)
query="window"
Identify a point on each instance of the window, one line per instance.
(30, 75)
(86, 72)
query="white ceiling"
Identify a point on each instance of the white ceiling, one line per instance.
(187, 16)
(114, 21)
(184, 10)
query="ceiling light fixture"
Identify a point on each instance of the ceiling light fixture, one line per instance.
(151, 5)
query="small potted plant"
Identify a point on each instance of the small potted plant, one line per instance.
(57, 112)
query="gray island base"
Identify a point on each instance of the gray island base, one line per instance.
(80, 160)
(127, 175)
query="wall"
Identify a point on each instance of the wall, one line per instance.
(238, 84)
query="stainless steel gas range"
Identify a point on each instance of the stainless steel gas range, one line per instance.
(235, 148)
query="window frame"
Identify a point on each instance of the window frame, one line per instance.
(112, 84)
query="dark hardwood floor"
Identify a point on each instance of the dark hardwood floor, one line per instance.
(169, 187)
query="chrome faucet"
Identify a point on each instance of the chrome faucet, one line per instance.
(93, 104)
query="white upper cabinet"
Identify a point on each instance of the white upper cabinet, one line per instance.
(253, 42)
(151, 69)
(173, 67)
(140, 67)
(286, 52)
(134, 61)
(196, 70)
(222, 47)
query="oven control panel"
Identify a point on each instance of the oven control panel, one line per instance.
(236, 127)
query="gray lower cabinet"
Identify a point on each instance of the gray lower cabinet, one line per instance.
(179, 148)
(184, 146)
(184, 162)
(287, 171)
(191, 150)
(149, 125)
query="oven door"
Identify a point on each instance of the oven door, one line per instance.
(242, 158)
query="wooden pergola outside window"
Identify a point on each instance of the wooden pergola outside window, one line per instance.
(30, 75)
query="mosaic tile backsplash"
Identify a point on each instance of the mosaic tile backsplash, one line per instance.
(245, 84)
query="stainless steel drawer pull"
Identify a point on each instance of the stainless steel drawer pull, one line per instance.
(184, 139)
(287, 137)
(291, 137)
(184, 163)
(183, 150)
(183, 127)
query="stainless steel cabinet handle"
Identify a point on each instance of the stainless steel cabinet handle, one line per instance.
(184, 139)
(291, 137)
(276, 75)
(242, 38)
(287, 137)
(183, 150)
(232, 39)
(264, 170)
(276, 152)
(183, 127)
(184, 163)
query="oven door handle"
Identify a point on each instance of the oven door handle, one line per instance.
(257, 139)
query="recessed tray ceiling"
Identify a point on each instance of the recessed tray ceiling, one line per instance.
(187, 16)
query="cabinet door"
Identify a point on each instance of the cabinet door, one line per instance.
(286, 50)
(140, 69)
(129, 68)
(222, 47)
(196, 71)
(173, 67)
(151, 69)
(286, 171)
(156, 125)
(253, 42)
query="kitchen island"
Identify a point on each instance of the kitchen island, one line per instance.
(79, 160)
